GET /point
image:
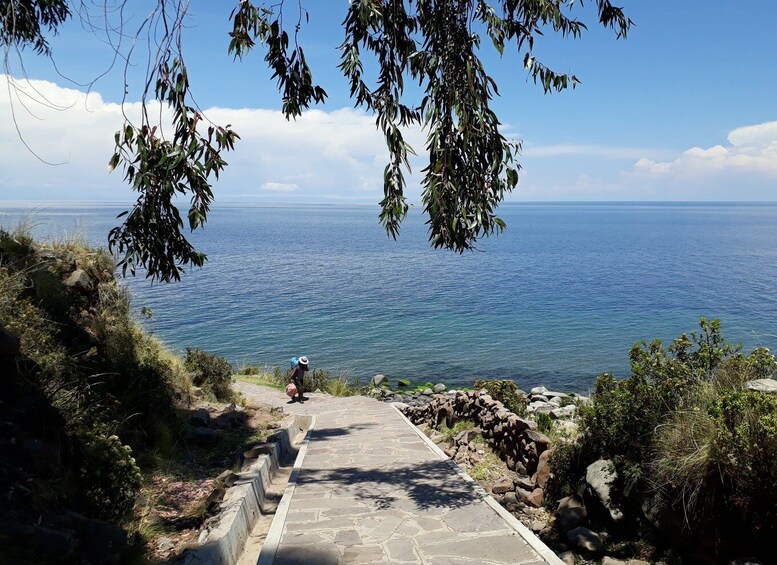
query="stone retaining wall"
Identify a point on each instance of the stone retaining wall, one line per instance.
(222, 541)
(515, 439)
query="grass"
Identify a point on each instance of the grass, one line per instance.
(339, 384)
(457, 428)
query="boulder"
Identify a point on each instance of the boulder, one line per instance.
(537, 438)
(539, 398)
(439, 387)
(599, 477)
(585, 539)
(559, 395)
(568, 557)
(200, 418)
(79, 279)
(612, 561)
(466, 437)
(538, 390)
(525, 483)
(378, 380)
(204, 436)
(536, 498)
(542, 474)
(540, 408)
(563, 412)
(428, 392)
(401, 405)
(570, 514)
(762, 385)
(502, 485)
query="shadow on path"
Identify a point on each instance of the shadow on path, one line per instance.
(427, 485)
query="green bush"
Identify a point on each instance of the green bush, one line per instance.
(211, 372)
(544, 422)
(109, 477)
(505, 392)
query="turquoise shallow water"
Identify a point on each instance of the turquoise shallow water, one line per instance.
(558, 298)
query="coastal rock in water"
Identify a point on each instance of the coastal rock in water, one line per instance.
(439, 387)
(585, 539)
(378, 380)
(600, 476)
(538, 390)
(762, 385)
(428, 392)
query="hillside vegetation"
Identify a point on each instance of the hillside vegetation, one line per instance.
(89, 402)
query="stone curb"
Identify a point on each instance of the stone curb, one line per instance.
(274, 534)
(243, 503)
(528, 536)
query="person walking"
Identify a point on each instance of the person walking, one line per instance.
(297, 376)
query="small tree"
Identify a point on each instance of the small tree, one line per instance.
(435, 43)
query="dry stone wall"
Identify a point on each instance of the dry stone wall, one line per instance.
(515, 439)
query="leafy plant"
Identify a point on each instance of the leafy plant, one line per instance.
(506, 392)
(211, 372)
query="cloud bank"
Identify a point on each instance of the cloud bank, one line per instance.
(339, 155)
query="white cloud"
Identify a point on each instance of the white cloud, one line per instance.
(318, 155)
(750, 150)
(563, 149)
(279, 186)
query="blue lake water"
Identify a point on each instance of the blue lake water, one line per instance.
(558, 298)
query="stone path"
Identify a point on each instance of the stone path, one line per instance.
(371, 490)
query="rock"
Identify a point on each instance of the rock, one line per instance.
(165, 544)
(537, 438)
(762, 385)
(539, 398)
(378, 380)
(536, 499)
(509, 499)
(568, 557)
(428, 392)
(79, 279)
(554, 401)
(437, 437)
(502, 485)
(559, 395)
(200, 418)
(585, 539)
(401, 405)
(204, 436)
(570, 514)
(637, 562)
(318, 391)
(525, 483)
(197, 391)
(227, 478)
(540, 408)
(439, 387)
(537, 526)
(563, 412)
(582, 400)
(612, 561)
(543, 469)
(465, 437)
(538, 390)
(600, 476)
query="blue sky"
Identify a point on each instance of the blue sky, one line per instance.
(684, 109)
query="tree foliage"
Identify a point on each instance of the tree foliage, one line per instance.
(435, 44)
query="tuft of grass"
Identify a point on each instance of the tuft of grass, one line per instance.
(457, 428)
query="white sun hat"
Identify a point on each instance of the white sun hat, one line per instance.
(303, 360)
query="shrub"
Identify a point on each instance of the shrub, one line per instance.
(505, 392)
(211, 372)
(109, 477)
(544, 422)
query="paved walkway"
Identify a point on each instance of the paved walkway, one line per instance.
(371, 490)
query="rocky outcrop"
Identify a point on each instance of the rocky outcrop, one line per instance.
(762, 385)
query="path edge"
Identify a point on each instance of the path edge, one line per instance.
(243, 503)
(274, 534)
(528, 536)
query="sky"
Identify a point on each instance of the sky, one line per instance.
(685, 108)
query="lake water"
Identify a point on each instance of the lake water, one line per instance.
(558, 298)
